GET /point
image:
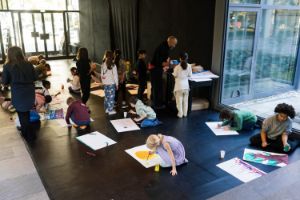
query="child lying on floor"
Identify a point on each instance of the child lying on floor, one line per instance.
(78, 112)
(237, 120)
(146, 114)
(274, 135)
(169, 149)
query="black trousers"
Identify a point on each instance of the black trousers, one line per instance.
(142, 87)
(157, 93)
(85, 84)
(122, 90)
(274, 145)
(28, 132)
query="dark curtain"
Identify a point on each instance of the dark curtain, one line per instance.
(124, 27)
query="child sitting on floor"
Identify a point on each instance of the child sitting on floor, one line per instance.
(75, 82)
(169, 149)
(78, 112)
(237, 120)
(276, 130)
(146, 114)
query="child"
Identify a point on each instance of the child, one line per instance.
(41, 70)
(121, 68)
(109, 77)
(146, 114)
(6, 104)
(75, 82)
(35, 60)
(169, 149)
(42, 96)
(181, 89)
(78, 112)
(276, 130)
(237, 120)
(142, 73)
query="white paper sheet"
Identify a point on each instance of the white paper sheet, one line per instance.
(123, 125)
(241, 170)
(266, 158)
(99, 93)
(219, 131)
(204, 74)
(141, 154)
(95, 140)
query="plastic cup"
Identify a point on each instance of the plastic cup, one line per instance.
(222, 154)
(125, 114)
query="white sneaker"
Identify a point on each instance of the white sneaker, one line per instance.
(113, 112)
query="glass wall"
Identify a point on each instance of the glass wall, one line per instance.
(49, 27)
(261, 49)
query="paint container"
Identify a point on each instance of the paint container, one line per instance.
(156, 168)
(286, 148)
(125, 114)
(222, 154)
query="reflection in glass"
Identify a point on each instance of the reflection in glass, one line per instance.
(245, 1)
(238, 55)
(277, 50)
(282, 2)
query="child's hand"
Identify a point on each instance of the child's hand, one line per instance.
(173, 172)
(226, 128)
(219, 125)
(136, 119)
(264, 144)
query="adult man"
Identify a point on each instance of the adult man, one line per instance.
(160, 63)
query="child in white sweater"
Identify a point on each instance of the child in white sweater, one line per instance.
(181, 73)
(109, 77)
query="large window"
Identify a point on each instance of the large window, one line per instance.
(49, 27)
(261, 49)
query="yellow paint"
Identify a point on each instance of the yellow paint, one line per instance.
(144, 155)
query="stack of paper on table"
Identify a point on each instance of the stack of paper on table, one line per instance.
(95, 140)
(204, 75)
(143, 156)
(241, 170)
(99, 93)
(123, 125)
(266, 158)
(219, 131)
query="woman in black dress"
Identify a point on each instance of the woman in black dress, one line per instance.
(83, 65)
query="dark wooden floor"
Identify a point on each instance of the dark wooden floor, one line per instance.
(69, 173)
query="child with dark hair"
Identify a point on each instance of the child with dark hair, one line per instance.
(181, 73)
(146, 114)
(109, 77)
(78, 112)
(75, 82)
(47, 86)
(276, 130)
(237, 120)
(121, 68)
(141, 68)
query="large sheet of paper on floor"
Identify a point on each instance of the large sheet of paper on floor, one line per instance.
(95, 140)
(241, 170)
(141, 154)
(99, 93)
(123, 125)
(266, 158)
(219, 131)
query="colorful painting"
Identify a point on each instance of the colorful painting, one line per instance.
(54, 114)
(144, 156)
(266, 158)
(241, 170)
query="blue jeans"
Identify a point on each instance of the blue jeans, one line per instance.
(150, 122)
(80, 123)
(109, 100)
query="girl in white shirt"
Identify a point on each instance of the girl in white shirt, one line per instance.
(181, 73)
(75, 82)
(109, 77)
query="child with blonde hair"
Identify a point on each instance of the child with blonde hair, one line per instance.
(169, 149)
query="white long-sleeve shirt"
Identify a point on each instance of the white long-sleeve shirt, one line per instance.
(109, 76)
(182, 77)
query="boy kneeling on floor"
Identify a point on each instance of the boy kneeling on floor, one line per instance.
(275, 132)
(146, 114)
(78, 112)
